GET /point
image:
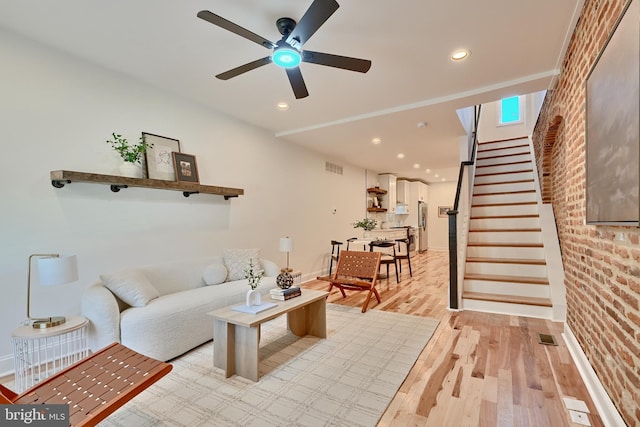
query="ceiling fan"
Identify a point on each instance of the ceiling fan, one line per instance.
(288, 52)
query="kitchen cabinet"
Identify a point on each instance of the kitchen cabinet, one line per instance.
(423, 192)
(388, 183)
(402, 192)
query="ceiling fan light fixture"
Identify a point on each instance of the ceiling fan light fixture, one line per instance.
(286, 57)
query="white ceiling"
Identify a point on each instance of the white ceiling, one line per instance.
(516, 48)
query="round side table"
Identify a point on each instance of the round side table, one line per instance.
(39, 353)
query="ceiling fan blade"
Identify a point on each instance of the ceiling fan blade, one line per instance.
(337, 61)
(297, 82)
(244, 68)
(235, 28)
(313, 18)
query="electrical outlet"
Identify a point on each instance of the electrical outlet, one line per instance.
(580, 418)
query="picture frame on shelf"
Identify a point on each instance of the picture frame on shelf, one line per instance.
(185, 167)
(159, 159)
(442, 211)
(612, 128)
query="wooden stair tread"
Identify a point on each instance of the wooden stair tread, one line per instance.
(519, 181)
(504, 164)
(505, 216)
(486, 150)
(506, 245)
(528, 261)
(498, 193)
(505, 230)
(512, 299)
(504, 173)
(477, 205)
(500, 156)
(502, 278)
(516, 138)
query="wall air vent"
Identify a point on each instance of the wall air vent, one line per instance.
(333, 168)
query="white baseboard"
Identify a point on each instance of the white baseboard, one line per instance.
(606, 409)
(6, 365)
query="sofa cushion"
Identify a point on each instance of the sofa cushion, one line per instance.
(215, 274)
(237, 260)
(131, 286)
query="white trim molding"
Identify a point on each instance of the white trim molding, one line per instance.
(606, 409)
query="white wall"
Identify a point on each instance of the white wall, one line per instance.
(56, 112)
(441, 194)
(490, 130)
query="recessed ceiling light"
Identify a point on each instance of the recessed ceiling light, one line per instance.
(436, 176)
(427, 170)
(376, 141)
(459, 55)
(443, 180)
(400, 156)
(416, 165)
(282, 106)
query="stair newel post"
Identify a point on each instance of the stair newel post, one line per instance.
(453, 259)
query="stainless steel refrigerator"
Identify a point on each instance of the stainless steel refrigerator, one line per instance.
(422, 226)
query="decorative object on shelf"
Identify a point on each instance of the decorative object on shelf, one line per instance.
(367, 224)
(185, 167)
(61, 177)
(284, 280)
(286, 245)
(53, 270)
(158, 158)
(131, 154)
(253, 276)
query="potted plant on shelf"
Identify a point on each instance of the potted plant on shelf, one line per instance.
(131, 154)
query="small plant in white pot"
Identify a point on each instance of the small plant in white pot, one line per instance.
(130, 154)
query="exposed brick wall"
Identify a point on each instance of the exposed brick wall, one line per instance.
(602, 263)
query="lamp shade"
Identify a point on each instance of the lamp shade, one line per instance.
(286, 244)
(58, 270)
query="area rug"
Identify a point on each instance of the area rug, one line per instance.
(347, 379)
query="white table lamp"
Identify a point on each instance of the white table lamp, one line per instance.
(53, 270)
(286, 245)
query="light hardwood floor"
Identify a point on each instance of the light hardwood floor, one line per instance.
(478, 369)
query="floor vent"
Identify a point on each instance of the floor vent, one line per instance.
(333, 168)
(547, 339)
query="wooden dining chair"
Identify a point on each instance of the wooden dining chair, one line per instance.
(356, 271)
(403, 253)
(95, 386)
(388, 250)
(335, 254)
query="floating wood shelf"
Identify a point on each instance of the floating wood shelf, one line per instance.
(61, 177)
(376, 210)
(376, 190)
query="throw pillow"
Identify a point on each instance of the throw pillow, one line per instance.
(131, 286)
(237, 260)
(214, 274)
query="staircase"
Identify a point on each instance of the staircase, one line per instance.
(505, 269)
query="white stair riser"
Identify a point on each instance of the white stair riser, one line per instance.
(501, 269)
(503, 198)
(503, 168)
(505, 237)
(504, 210)
(505, 252)
(506, 308)
(493, 223)
(503, 160)
(501, 187)
(502, 144)
(502, 178)
(484, 153)
(507, 288)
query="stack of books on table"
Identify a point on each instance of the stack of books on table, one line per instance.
(285, 294)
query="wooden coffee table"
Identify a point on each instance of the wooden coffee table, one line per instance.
(237, 335)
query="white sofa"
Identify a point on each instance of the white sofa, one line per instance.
(172, 320)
